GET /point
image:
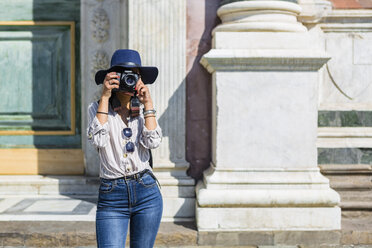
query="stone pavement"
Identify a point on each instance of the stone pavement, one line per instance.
(58, 220)
(69, 221)
(47, 207)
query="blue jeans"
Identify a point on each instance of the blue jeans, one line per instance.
(120, 200)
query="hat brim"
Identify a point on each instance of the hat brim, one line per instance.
(148, 73)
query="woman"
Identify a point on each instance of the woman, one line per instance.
(128, 193)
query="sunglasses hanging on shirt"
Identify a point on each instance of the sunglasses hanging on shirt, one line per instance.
(129, 145)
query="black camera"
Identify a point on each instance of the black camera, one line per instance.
(128, 80)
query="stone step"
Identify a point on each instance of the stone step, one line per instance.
(181, 187)
(79, 233)
(178, 192)
(347, 182)
(348, 176)
(356, 205)
(353, 182)
(81, 185)
(355, 195)
(356, 227)
(48, 185)
(329, 169)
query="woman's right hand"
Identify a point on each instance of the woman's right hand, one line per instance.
(110, 82)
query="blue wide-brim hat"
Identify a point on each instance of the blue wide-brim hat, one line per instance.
(127, 59)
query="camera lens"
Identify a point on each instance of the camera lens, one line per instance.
(130, 80)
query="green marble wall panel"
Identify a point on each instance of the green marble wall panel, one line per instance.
(345, 119)
(40, 10)
(344, 155)
(43, 54)
(36, 78)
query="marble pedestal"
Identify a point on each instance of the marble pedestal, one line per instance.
(264, 174)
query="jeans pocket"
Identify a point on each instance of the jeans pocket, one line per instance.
(147, 181)
(106, 186)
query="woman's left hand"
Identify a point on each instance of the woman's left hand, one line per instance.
(145, 98)
(143, 93)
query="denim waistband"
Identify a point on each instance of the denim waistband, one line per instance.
(135, 176)
(129, 177)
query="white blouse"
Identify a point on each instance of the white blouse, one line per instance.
(110, 141)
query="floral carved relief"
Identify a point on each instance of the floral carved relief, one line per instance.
(100, 25)
(100, 61)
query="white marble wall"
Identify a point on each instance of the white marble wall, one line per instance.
(346, 80)
(246, 114)
(100, 37)
(157, 29)
(350, 67)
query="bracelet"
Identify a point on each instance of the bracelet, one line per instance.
(149, 116)
(98, 112)
(150, 111)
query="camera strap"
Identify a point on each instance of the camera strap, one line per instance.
(134, 106)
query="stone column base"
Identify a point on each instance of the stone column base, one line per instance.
(266, 200)
(267, 219)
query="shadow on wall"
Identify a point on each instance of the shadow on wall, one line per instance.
(175, 135)
(200, 23)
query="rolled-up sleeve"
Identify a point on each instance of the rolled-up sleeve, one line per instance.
(98, 134)
(151, 139)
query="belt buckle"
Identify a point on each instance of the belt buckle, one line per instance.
(136, 176)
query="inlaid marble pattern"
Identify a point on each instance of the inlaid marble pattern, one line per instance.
(52, 205)
(346, 83)
(47, 206)
(344, 156)
(344, 119)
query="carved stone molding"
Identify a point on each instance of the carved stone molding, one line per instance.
(313, 10)
(223, 2)
(100, 25)
(99, 19)
(260, 15)
(100, 61)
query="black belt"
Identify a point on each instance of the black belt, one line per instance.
(138, 175)
(135, 176)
